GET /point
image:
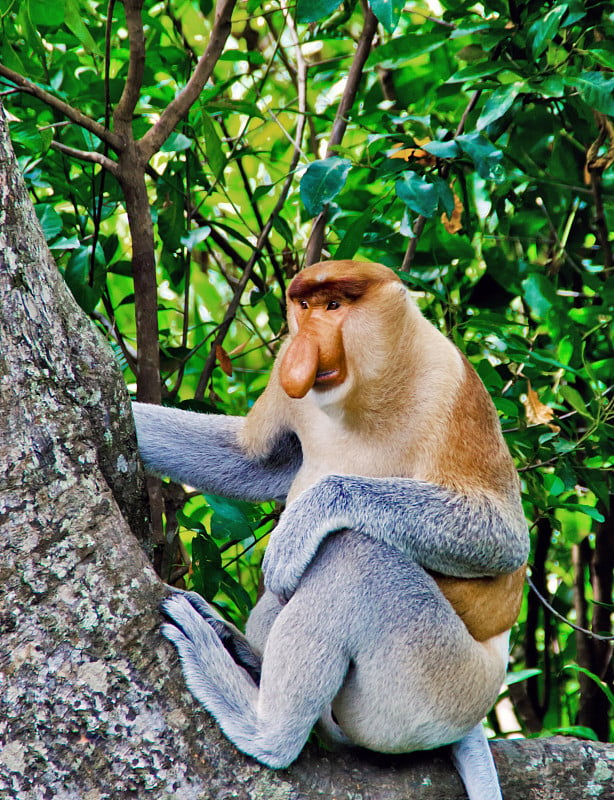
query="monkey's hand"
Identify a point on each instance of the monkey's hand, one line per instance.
(315, 513)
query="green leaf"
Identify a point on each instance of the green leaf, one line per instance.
(43, 12)
(475, 71)
(485, 156)
(521, 675)
(575, 400)
(207, 566)
(176, 143)
(233, 510)
(74, 22)
(213, 146)
(402, 49)
(251, 56)
(539, 294)
(236, 593)
(543, 30)
(276, 318)
(576, 730)
(418, 194)
(190, 523)
(445, 195)
(581, 508)
(388, 12)
(353, 236)
(596, 89)
(195, 237)
(77, 276)
(595, 678)
(314, 10)
(50, 220)
(499, 102)
(442, 149)
(603, 56)
(283, 229)
(225, 529)
(322, 182)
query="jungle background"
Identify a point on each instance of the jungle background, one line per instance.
(186, 160)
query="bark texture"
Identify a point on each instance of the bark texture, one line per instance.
(92, 704)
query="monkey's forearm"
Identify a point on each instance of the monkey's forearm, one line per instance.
(441, 530)
(203, 450)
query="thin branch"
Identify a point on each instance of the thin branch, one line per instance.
(179, 107)
(124, 110)
(313, 250)
(87, 155)
(236, 300)
(73, 114)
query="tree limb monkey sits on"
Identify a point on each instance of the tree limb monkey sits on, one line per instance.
(396, 570)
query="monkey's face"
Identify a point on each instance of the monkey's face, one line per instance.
(315, 358)
(325, 301)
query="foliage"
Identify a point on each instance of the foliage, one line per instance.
(476, 158)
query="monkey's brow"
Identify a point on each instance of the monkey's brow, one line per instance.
(322, 291)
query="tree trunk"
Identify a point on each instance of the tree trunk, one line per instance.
(92, 703)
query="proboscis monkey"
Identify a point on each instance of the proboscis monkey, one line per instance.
(400, 490)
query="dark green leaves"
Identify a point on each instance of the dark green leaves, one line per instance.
(543, 29)
(486, 157)
(322, 182)
(388, 12)
(596, 89)
(314, 10)
(499, 102)
(423, 195)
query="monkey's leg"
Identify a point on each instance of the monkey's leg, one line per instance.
(231, 637)
(474, 762)
(300, 677)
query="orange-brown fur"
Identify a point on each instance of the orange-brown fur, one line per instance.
(413, 407)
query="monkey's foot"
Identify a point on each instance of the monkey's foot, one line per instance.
(233, 640)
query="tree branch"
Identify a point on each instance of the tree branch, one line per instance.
(234, 304)
(87, 155)
(179, 107)
(73, 114)
(122, 116)
(313, 251)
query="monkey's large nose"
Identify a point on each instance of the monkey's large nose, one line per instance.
(299, 366)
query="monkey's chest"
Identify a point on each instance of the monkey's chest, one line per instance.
(342, 455)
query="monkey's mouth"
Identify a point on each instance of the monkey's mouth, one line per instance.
(328, 377)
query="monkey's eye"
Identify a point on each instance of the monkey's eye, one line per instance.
(304, 304)
(334, 304)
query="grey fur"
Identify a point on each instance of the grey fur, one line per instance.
(202, 450)
(366, 633)
(440, 530)
(352, 646)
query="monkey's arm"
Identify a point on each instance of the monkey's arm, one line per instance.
(439, 529)
(204, 451)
